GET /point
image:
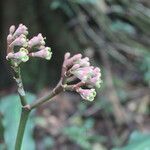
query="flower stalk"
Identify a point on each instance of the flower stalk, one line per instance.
(21, 91)
(58, 89)
(76, 75)
(22, 124)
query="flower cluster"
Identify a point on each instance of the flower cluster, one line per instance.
(77, 73)
(89, 77)
(20, 48)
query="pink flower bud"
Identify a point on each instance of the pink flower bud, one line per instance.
(67, 55)
(75, 57)
(69, 62)
(95, 81)
(44, 53)
(20, 41)
(83, 62)
(87, 94)
(22, 55)
(9, 38)
(84, 73)
(9, 55)
(22, 29)
(97, 70)
(12, 29)
(74, 67)
(36, 41)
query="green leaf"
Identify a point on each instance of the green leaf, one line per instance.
(137, 141)
(62, 5)
(11, 111)
(122, 26)
(85, 1)
(145, 67)
(82, 134)
(47, 142)
(78, 135)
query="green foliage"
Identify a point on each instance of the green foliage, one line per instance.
(82, 135)
(127, 28)
(1, 128)
(145, 67)
(85, 1)
(57, 3)
(137, 141)
(47, 142)
(62, 5)
(11, 111)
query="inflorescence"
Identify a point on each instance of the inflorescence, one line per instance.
(85, 76)
(20, 48)
(77, 73)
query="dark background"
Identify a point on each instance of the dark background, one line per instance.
(115, 34)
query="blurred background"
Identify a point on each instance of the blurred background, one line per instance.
(115, 35)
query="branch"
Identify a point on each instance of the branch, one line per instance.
(58, 89)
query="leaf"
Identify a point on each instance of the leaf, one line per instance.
(47, 143)
(78, 135)
(137, 141)
(11, 111)
(122, 26)
(62, 5)
(85, 1)
(82, 135)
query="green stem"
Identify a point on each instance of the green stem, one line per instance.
(18, 79)
(21, 129)
(26, 110)
(58, 89)
(23, 100)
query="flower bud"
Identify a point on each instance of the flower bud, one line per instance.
(20, 41)
(95, 81)
(75, 57)
(83, 62)
(69, 62)
(43, 53)
(22, 29)
(97, 71)
(67, 55)
(12, 29)
(74, 67)
(22, 55)
(84, 73)
(36, 41)
(87, 94)
(9, 38)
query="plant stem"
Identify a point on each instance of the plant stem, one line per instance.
(18, 79)
(27, 108)
(21, 129)
(59, 88)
